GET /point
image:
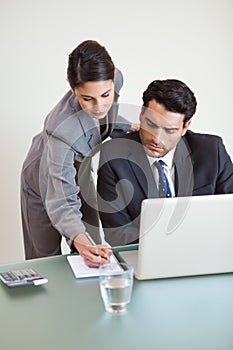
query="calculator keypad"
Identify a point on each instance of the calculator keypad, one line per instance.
(19, 275)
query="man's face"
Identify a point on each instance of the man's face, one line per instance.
(160, 130)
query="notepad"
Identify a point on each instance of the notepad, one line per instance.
(81, 270)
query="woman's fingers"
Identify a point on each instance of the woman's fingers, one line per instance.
(98, 255)
(94, 255)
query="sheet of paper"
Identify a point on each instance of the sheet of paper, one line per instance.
(81, 270)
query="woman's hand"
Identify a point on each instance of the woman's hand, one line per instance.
(134, 127)
(94, 255)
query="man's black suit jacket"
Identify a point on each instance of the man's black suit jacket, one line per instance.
(125, 178)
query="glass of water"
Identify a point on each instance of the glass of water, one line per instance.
(116, 286)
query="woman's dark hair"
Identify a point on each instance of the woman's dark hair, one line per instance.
(89, 62)
(174, 95)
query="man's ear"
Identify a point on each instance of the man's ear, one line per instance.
(142, 112)
(185, 128)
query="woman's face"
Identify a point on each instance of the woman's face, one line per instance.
(96, 97)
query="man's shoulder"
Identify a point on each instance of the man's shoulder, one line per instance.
(192, 136)
(122, 145)
(134, 136)
(122, 140)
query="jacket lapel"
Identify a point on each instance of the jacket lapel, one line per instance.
(184, 177)
(138, 159)
(90, 134)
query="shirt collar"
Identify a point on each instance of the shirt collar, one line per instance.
(168, 158)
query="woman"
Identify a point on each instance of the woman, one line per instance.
(57, 190)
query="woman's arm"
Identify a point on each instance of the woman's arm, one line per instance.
(60, 194)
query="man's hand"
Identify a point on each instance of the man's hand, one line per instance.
(94, 255)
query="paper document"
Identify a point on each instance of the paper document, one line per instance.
(81, 270)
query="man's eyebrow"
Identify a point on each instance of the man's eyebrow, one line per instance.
(154, 124)
(150, 121)
(171, 128)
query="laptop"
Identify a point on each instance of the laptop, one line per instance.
(184, 236)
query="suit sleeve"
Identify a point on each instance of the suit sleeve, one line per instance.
(213, 168)
(224, 183)
(114, 197)
(59, 190)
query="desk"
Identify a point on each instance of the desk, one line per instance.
(194, 313)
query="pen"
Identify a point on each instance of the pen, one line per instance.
(93, 242)
(90, 238)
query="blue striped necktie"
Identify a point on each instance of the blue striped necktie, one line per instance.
(164, 188)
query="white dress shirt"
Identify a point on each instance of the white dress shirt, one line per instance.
(168, 169)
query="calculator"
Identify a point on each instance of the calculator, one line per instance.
(22, 278)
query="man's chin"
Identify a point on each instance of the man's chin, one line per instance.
(152, 154)
(155, 153)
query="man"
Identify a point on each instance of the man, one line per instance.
(193, 163)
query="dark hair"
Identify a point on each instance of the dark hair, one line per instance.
(174, 95)
(89, 62)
